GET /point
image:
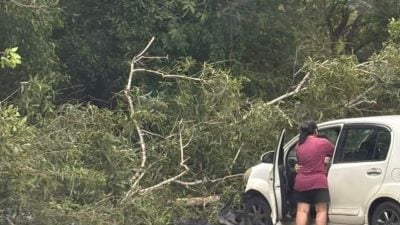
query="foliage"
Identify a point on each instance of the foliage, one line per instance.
(10, 58)
(70, 158)
(28, 25)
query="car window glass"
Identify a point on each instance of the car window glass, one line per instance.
(331, 134)
(362, 144)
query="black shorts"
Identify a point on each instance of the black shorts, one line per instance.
(312, 196)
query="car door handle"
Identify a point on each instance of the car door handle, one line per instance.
(374, 171)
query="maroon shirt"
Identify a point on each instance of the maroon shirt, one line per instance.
(310, 156)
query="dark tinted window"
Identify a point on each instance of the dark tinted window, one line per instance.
(362, 144)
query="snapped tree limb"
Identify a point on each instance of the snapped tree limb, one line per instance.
(198, 201)
(197, 182)
(137, 177)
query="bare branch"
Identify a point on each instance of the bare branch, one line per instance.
(196, 182)
(181, 141)
(156, 135)
(140, 172)
(17, 3)
(9, 221)
(182, 163)
(362, 98)
(168, 181)
(198, 201)
(299, 87)
(154, 57)
(32, 4)
(9, 96)
(289, 94)
(236, 156)
(138, 57)
(165, 75)
(137, 177)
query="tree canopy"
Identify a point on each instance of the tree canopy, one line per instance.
(113, 111)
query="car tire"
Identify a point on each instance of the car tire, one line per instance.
(387, 213)
(257, 210)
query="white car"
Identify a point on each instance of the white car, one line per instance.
(363, 175)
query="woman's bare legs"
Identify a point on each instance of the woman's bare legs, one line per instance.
(322, 213)
(303, 209)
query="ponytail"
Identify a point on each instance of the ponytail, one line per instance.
(306, 128)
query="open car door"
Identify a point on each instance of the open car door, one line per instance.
(275, 182)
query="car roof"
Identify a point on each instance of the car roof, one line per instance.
(388, 120)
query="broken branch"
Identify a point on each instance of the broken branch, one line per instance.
(198, 201)
(196, 182)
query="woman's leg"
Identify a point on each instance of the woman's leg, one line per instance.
(322, 213)
(303, 209)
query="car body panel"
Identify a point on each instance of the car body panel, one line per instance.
(260, 176)
(350, 194)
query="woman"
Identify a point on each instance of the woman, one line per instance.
(311, 184)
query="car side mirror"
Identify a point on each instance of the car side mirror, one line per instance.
(268, 157)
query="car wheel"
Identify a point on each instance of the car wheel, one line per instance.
(257, 211)
(387, 213)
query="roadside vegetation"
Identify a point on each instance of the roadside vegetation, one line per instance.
(145, 112)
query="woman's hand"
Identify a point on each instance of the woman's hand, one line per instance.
(297, 167)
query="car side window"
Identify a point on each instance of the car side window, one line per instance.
(363, 144)
(331, 134)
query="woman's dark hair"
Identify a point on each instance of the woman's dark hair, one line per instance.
(306, 128)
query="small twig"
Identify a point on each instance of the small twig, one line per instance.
(294, 64)
(298, 71)
(9, 221)
(9, 96)
(154, 57)
(236, 156)
(181, 142)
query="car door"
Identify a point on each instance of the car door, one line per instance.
(357, 171)
(276, 179)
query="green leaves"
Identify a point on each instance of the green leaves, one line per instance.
(189, 6)
(10, 58)
(394, 30)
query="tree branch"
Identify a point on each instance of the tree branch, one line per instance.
(182, 164)
(196, 182)
(361, 98)
(236, 156)
(165, 75)
(198, 201)
(140, 172)
(31, 4)
(298, 89)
